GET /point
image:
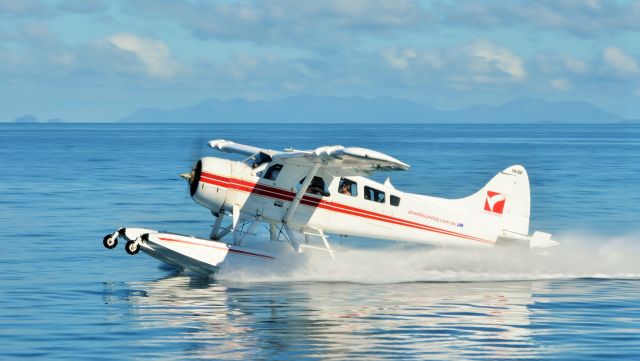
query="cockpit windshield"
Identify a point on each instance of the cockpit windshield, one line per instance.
(258, 159)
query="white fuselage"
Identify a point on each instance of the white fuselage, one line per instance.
(304, 195)
(224, 184)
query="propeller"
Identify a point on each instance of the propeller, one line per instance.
(197, 152)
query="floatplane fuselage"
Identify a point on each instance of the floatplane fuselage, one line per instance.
(304, 196)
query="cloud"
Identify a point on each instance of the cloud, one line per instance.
(83, 6)
(561, 84)
(36, 34)
(607, 73)
(574, 65)
(372, 14)
(301, 24)
(262, 73)
(24, 9)
(32, 52)
(63, 58)
(153, 54)
(419, 49)
(488, 57)
(479, 66)
(622, 63)
(577, 17)
(399, 59)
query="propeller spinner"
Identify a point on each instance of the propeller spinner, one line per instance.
(193, 177)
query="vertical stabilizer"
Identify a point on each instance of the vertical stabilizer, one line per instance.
(503, 203)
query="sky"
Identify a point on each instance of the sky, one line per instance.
(98, 60)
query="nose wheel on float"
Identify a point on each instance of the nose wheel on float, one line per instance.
(132, 247)
(110, 241)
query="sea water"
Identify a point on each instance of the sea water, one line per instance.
(63, 296)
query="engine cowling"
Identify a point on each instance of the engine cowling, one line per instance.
(210, 181)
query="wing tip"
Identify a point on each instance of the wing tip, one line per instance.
(217, 143)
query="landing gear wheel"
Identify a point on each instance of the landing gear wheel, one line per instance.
(132, 248)
(109, 241)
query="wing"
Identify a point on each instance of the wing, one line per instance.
(232, 147)
(343, 161)
(333, 159)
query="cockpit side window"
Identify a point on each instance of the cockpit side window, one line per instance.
(373, 194)
(272, 172)
(348, 187)
(317, 186)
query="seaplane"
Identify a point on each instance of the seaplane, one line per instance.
(302, 197)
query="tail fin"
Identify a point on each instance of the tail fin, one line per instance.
(504, 202)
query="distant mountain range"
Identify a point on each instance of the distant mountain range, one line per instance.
(32, 119)
(313, 109)
(384, 109)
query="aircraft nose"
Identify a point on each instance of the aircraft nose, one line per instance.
(209, 182)
(195, 178)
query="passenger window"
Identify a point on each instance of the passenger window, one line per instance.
(272, 172)
(348, 187)
(395, 201)
(317, 186)
(373, 194)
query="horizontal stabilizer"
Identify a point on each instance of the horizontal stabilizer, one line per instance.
(542, 240)
(536, 241)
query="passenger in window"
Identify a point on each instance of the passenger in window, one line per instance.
(344, 189)
(348, 187)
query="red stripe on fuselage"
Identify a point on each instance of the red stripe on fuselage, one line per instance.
(282, 194)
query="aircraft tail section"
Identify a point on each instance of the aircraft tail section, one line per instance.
(504, 203)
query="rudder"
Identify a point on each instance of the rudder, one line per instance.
(504, 202)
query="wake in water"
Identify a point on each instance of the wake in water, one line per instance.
(578, 256)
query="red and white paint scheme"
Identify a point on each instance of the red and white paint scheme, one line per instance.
(305, 195)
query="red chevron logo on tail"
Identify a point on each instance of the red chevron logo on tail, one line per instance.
(494, 202)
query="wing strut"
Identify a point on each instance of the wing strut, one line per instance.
(216, 226)
(292, 239)
(296, 202)
(290, 236)
(303, 188)
(291, 211)
(323, 237)
(239, 234)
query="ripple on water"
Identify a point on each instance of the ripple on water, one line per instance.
(62, 296)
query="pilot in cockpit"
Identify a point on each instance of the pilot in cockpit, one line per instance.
(317, 187)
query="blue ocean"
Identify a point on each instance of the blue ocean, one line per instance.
(63, 296)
